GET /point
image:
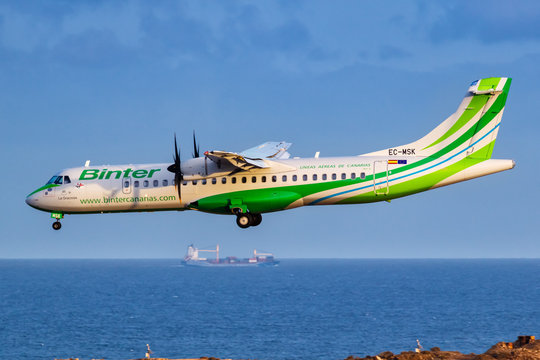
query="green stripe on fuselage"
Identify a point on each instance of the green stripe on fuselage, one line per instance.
(419, 184)
(44, 187)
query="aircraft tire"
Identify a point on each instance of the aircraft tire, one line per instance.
(56, 225)
(244, 220)
(257, 219)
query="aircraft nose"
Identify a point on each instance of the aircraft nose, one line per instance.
(32, 200)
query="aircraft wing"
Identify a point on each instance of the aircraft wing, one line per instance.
(269, 150)
(253, 157)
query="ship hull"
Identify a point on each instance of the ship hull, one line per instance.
(202, 263)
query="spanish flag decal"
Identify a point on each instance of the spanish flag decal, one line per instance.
(400, 162)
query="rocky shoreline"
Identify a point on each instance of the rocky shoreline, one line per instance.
(524, 348)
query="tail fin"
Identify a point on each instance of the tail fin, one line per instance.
(470, 131)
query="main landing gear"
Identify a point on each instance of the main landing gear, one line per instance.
(245, 220)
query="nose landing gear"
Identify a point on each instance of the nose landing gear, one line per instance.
(57, 225)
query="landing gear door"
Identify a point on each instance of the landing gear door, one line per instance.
(126, 185)
(380, 177)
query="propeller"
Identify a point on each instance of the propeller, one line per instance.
(196, 153)
(176, 168)
(195, 147)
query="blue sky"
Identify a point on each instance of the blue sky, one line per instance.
(112, 81)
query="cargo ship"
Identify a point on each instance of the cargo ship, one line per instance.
(193, 258)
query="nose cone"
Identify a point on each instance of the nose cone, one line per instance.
(33, 200)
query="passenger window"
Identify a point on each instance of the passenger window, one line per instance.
(203, 181)
(165, 183)
(294, 178)
(324, 176)
(233, 180)
(126, 184)
(66, 180)
(353, 176)
(284, 178)
(136, 183)
(304, 177)
(253, 179)
(244, 180)
(184, 183)
(194, 182)
(343, 176)
(334, 176)
(224, 180)
(145, 183)
(58, 180)
(214, 181)
(314, 177)
(274, 178)
(263, 179)
(156, 183)
(362, 175)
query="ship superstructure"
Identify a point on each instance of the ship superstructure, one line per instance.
(193, 258)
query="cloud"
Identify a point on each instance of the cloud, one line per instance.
(297, 36)
(488, 21)
(82, 34)
(392, 52)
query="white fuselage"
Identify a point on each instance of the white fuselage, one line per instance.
(150, 187)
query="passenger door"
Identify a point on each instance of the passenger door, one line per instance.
(380, 184)
(126, 185)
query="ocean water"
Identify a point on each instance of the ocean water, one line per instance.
(302, 309)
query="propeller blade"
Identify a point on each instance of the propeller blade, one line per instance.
(176, 168)
(195, 147)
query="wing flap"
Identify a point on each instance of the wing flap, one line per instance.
(235, 159)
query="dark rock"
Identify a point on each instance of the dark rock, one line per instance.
(484, 357)
(435, 349)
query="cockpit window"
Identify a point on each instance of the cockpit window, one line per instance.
(59, 179)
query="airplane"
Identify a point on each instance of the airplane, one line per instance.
(266, 179)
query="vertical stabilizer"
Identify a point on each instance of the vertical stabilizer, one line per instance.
(470, 131)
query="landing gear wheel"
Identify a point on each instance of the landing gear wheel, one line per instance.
(56, 225)
(257, 218)
(244, 220)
